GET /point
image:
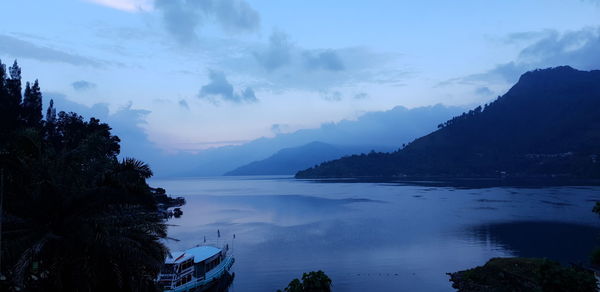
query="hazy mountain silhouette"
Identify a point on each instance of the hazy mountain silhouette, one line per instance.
(388, 128)
(380, 131)
(292, 160)
(546, 125)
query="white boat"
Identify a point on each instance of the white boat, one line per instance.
(195, 269)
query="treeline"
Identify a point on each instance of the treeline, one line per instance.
(74, 217)
(545, 126)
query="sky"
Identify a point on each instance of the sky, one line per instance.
(196, 74)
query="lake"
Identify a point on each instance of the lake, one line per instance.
(378, 236)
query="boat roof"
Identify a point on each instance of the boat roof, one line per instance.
(199, 253)
(177, 257)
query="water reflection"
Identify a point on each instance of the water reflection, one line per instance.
(374, 236)
(564, 242)
(223, 284)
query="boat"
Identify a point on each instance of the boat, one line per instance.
(195, 269)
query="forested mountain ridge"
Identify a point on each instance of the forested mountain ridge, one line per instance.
(545, 125)
(288, 161)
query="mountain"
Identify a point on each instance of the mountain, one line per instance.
(389, 128)
(291, 160)
(548, 124)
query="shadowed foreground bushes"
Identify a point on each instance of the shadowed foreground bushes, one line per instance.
(523, 275)
(311, 282)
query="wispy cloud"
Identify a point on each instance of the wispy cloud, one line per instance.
(19, 48)
(82, 85)
(282, 64)
(361, 95)
(126, 5)
(182, 18)
(277, 54)
(325, 60)
(484, 91)
(219, 88)
(580, 49)
(184, 104)
(281, 52)
(332, 96)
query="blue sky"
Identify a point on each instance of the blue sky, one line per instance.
(196, 74)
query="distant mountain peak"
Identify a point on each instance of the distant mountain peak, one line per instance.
(554, 74)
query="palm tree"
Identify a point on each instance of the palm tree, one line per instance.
(75, 218)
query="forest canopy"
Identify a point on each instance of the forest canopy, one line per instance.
(74, 216)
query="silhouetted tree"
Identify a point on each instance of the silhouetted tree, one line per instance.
(74, 217)
(311, 282)
(32, 105)
(10, 97)
(13, 86)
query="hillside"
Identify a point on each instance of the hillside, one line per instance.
(291, 160)
(545, 125)
(388, 128)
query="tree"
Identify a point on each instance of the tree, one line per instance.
(74, 218)
(32, 105)
(13, 85)
(50, 123)
(3, 78)
(10, 97)
(595, 257)
(51, 113)
(311, 282)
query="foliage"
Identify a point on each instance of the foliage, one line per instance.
(74, 217)
(311, 282)
(546, 125)
(595, 256)
(596, 208)
(523, 274)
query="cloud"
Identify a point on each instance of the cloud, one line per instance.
(526, 36)
(184, 104)
(361, 95)
(332, 96)
(219, 87)
(82, 85)
(277, 54)
(126, 5)
(279, 128)
(280, 52)
(233, 15)
(18, 48)
(326, 60)
(182, 18)
(280, 64)
(597, 2)
(62, 103)
(178, 20)
(579, 49)
(484, 91)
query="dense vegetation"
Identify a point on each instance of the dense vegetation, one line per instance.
(523, 275)
(74, 217)
(311, 282)
(545, 125)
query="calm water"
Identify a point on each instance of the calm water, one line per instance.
(377, 236)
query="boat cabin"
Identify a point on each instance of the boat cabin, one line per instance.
(190, 265)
